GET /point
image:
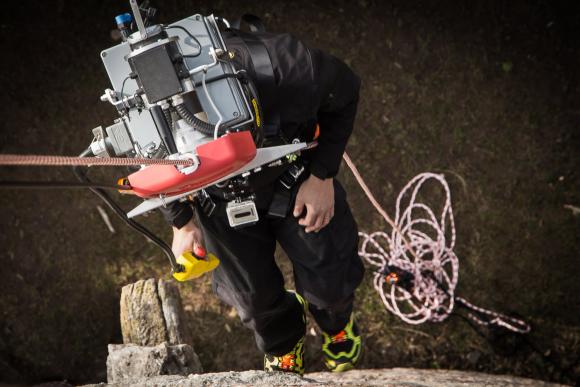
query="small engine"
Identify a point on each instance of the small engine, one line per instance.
(173, 87)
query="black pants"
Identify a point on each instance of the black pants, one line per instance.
(327, 270)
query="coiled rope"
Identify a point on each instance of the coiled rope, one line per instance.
(39, 160)
(416, 269)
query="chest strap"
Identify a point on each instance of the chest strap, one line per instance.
(265, 79)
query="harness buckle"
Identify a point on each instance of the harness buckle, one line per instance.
(206, 203)
(291, 175)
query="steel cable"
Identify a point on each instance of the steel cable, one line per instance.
(43, 160)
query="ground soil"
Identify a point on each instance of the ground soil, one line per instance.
(485, 92)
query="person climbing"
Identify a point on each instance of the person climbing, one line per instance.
(305, 94)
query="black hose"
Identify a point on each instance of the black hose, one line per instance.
(82, 176)
(192, 120)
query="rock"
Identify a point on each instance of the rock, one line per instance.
(177, 331)
(157, 341)
(385, 377)
(142, 320)
(416, 377)
(151, 314)
(220, 379)
(129, 363)
(473, 357)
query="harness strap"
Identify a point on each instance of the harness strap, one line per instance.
(264, 71)
(282, 198)
(254, 22)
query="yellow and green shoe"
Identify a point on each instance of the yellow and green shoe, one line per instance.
(293, 361)
(342, 350)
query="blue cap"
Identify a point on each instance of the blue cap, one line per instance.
(124, 18)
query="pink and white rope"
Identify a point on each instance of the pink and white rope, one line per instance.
(420, 246)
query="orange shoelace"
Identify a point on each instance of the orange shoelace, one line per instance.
(339, 337)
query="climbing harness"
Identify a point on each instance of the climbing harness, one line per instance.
(416, 269)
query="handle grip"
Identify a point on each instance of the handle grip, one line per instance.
(195, 265)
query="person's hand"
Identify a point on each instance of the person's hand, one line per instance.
(318, 197)
(187, 239)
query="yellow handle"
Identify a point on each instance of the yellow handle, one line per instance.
(195, 267)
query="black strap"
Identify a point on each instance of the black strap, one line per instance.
(263, 68)
(254, 23)
(264, 71)
(265, 77)
(284, 193)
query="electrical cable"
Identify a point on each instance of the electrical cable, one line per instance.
(192, 37)
(123, 98)
(214, 107)
(123, 85)
(237, 75)
(82, 176)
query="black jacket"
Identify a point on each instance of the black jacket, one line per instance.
(310, 87)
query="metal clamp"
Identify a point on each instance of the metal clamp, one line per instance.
(186, 156)
(206, 203)
(291, 176)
